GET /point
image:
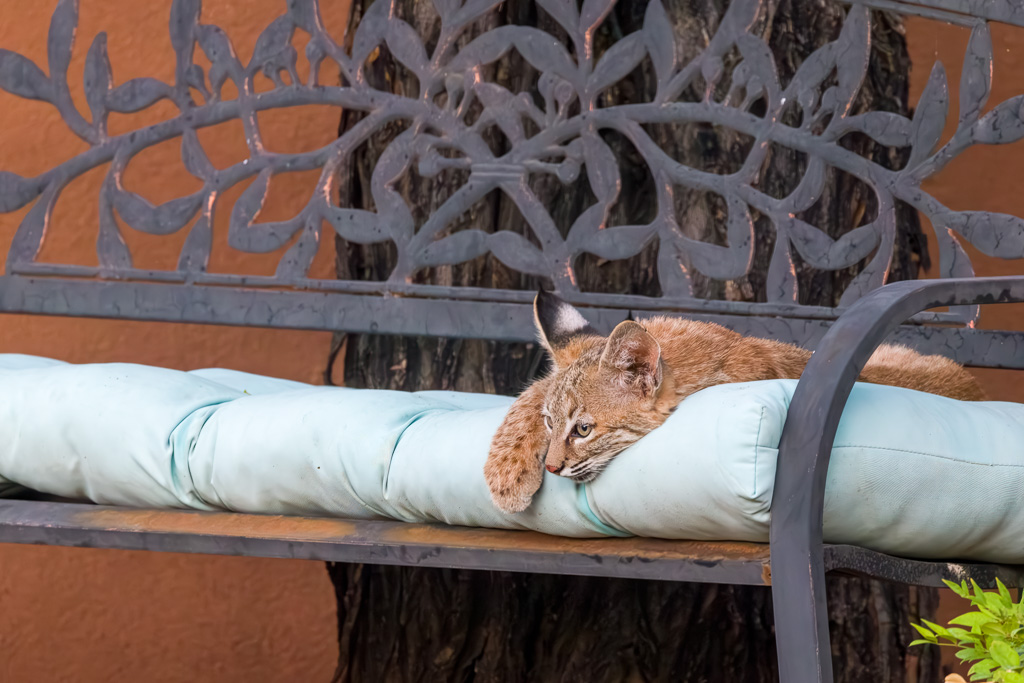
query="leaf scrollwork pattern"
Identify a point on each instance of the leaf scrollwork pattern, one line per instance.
(558, 130)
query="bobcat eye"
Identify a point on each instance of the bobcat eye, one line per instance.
(583, 430)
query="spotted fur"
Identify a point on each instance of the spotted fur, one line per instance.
(603, 394)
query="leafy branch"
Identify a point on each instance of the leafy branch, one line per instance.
(991, 636)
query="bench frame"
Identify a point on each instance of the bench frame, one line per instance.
(795, 562)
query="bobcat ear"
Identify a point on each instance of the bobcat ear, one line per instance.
(557, 323)
(635, 355)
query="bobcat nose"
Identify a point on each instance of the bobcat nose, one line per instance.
(553, 469)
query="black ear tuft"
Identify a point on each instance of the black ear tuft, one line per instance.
(557, 321)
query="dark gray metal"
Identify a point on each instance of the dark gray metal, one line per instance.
(1008, 12)
(442, 135)
(847, 559)
(511, 320)
(959, 12)
(806, 446)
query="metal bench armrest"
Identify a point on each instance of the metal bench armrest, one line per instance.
(798, 575)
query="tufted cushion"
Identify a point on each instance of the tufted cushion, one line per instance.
(911, 474)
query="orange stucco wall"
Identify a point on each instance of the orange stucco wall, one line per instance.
(86, 615)
(90, 615)
(986, 177)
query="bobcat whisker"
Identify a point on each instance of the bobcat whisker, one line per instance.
(579, 471)
(588, 470)
(584, 476)
(576, 471)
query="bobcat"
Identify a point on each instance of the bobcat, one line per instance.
(603, 394)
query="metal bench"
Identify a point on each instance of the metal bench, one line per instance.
(795, 562)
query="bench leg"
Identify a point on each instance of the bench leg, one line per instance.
(801, 616)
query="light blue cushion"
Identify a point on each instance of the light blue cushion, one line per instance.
(912, 474)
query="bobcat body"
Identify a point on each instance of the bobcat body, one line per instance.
(605, 393)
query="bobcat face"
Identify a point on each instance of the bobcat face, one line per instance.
(604, 394)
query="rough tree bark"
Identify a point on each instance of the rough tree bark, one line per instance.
(426, 625)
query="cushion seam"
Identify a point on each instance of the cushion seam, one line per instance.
(929, 455)
(757, 447)
(583, 501)
(398, 439)
(213, 408)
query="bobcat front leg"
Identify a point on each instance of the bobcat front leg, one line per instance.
(515, 465)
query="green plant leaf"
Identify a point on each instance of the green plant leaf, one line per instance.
(962, 635)
(928, 635)
(994, 629)
(939, 630)
(971, 653)
(983, 667)
(972, 619)
(1004, 655)
(920, 642)
(1013, 677)
(1004, 591)
(995, 602)
(959, 589)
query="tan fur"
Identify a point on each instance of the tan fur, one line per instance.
(623, 397)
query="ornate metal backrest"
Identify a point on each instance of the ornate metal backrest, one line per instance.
(555, 130)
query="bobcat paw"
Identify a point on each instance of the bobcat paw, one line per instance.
(512, 481)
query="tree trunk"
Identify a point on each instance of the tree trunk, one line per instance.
(427, 625)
